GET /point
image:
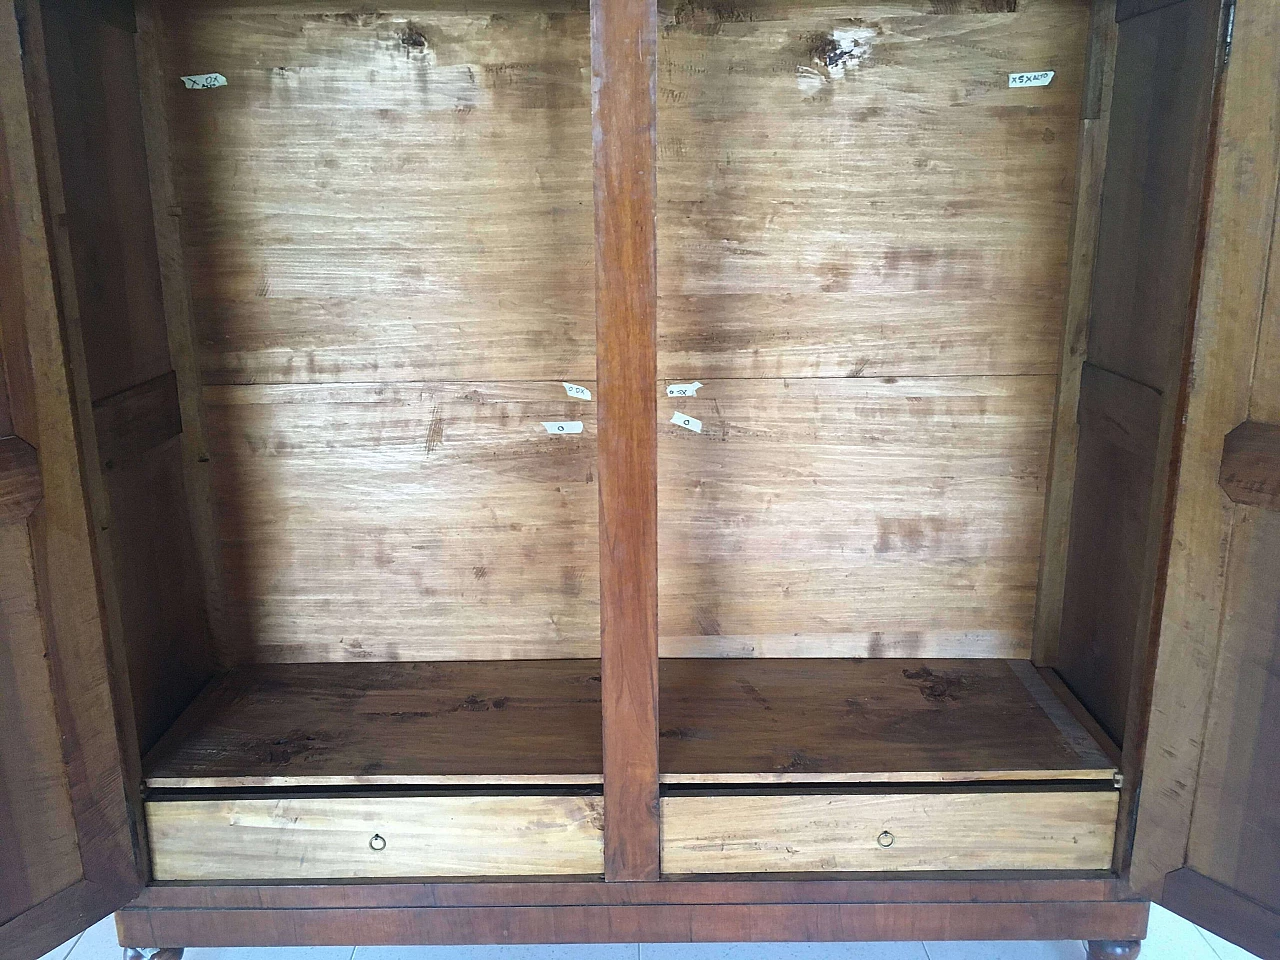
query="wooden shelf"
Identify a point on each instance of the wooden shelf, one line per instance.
(538, 722)
(868, 721)
(342, 724)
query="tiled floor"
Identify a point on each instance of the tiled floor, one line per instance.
(1169, 938)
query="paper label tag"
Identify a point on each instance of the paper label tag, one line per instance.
(573, 390)
(1038, 79)
(683, 389)
(204, 81)
(686, 421)
(563, 426)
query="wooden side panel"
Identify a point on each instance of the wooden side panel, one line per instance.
(1229, 312)
(853, 517)
(1153, 192)
(37, 831)
(344, 838)
(428, 521)
(856, 191)
(1095, 130)
(117, 337)
(94, 84)
(382, 197)
(1151, 227)
(1119, 432)
(923, 831)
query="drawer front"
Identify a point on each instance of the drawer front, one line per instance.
(339, 838)
(921, 831)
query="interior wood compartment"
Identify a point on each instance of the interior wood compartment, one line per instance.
(325, 312)
(865, 260)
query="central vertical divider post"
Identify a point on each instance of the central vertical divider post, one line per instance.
(624, 40)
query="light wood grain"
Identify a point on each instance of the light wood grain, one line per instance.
(892, 517)
(855, 191)
(400, 522)
(769, 720)
(322, 724)
(1237, 248)
(400, 196)
(1032, 830)
(332, 837)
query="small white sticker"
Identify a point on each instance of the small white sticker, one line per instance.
(204, 81)
(1039, 79)
(563, 426)
(683, 389)
(573, 390)
(686, 421)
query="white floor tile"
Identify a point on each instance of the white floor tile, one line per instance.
(782, 951)
(561, 951)
(268, 953)
(1005, 950)
(1169, 937)
(1224, 948)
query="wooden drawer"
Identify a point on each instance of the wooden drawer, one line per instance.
(1039, 830)
(329, 838)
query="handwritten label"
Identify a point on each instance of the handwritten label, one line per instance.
(204, 81)
(563, 426)
(573, 390)
(1038, 79)
(686, 421)
(683, 389)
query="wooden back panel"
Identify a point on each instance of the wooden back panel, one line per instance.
(863, 254)
(387, 222)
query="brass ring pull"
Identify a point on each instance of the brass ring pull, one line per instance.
(885, 839)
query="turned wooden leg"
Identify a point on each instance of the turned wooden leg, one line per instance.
(1114, 949)
(164, 953)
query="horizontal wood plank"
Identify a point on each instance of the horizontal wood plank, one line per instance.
(873, 721)
(629, 923)
(854, 190)
(1060, 830)
(351, 837)
(405, 521)
(266, 725)
(20, 483)
(398, 196)
(134, 421)
(853, 517)
(1251, 465)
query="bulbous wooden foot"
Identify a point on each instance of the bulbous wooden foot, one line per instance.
(164, 953)
(1114, 949)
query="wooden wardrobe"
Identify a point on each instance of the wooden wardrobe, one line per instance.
(520, 471)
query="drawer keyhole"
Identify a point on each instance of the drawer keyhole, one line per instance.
(377, 842)
(885, 839)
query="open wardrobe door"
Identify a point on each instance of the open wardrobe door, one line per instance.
(1207, 839)
(67, 850)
